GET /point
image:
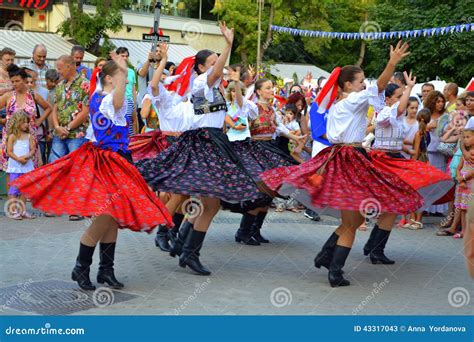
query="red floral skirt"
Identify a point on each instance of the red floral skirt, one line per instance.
(91, 182)
(147, 145)
(343, 178)
(431, 183)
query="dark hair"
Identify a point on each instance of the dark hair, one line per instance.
(423, 117)
(201, 58)
(431, 99)
(320, 80)
(121, 50)
(77, 48)
(348, 74)
(296, 85)
(295, 97)
(169, 65)
(109, 69)
(470, 94)
(14, 70)
(427, 85)
(412, 99)
(390, 89)
(292, 108)
(52, 75)
(259, 84)
(398, 75)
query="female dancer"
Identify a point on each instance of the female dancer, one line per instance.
(99, 180)
(202, 162)
(430, 183)
(341, 177)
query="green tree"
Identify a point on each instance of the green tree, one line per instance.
(448, 56)
(88, 29)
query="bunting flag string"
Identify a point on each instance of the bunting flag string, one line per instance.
(428, 32)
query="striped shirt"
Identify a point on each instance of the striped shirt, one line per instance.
(41, 80)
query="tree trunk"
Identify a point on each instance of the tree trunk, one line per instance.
(268, 40)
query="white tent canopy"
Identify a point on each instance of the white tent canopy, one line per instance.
(286, 71)
(139, 50)
(23, 43)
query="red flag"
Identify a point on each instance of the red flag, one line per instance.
(184, 72)
(470, 86)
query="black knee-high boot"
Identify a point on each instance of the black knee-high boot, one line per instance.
(324, 257)
(338, 261)
(177, 246)
(369, 245)
(81, 271)
(243, 234)
(106, 266)
(173, 233)
(162, 239)
(257, 226)
(377, 255)
(191, 249)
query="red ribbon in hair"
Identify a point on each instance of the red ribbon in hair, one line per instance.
(328, 94)
(183, 72)
(94, 79)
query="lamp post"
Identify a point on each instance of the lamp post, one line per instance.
(259, 33)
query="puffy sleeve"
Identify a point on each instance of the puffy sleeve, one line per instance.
(249, 109)
(356, 101)
(107, 109)
(388, 116)
(201, 88)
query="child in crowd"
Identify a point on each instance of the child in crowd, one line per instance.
(20, 150)
(291, 123)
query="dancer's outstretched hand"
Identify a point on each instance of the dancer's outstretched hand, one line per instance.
(409, 80)
(227, 33)
(398, 52)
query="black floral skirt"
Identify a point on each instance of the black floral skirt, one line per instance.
(202, 163)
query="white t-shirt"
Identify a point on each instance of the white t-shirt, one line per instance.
(347, 119)
(389, 129)
(240, 116)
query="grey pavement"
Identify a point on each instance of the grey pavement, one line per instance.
(428, 278)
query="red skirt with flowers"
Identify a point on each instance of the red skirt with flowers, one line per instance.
(147, 145)
(91, 182)
(431, 183)
(343, 178)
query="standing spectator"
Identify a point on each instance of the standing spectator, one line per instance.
(38, 64)
(425, 90)
(7, 57)
(77, 52)
(70, 110)
(99, 63)
(145, 73)
(398, 79)
(20, 99)
(130, 92)
(436, 102)
(450, 92)
(52, 79)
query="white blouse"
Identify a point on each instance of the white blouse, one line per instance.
(389, 129)
(173, 112)
(347, 119)
(201, 89)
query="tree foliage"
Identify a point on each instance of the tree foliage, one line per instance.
(88, 29)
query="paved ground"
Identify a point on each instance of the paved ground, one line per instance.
(428, 278)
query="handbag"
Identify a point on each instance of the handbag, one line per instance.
(446, 149)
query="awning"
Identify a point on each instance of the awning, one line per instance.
(139, 50)
(23, 43)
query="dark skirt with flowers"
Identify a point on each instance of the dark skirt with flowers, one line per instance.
(202, 163)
